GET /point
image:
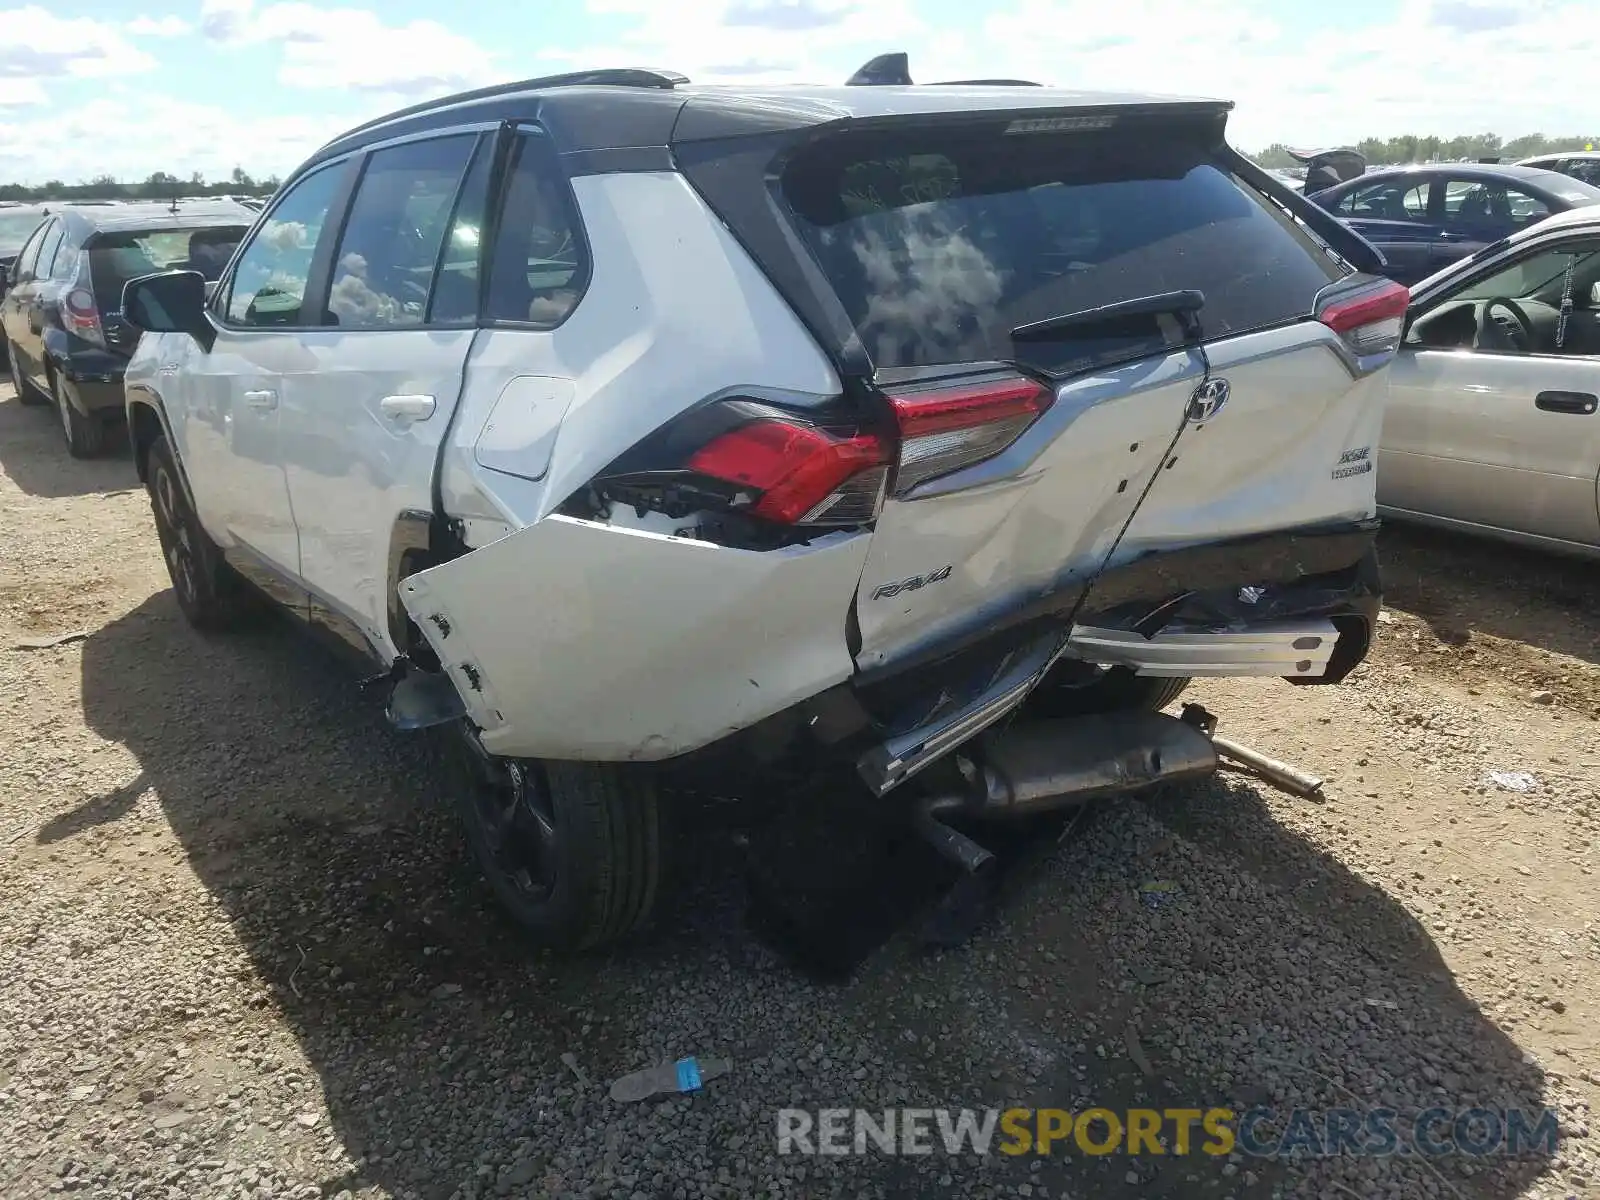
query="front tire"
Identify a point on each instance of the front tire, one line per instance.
(1077, 689)
(573, 851)
(211, 595)
(85, 432)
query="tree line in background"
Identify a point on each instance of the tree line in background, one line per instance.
(160, 186)
(1383, 152)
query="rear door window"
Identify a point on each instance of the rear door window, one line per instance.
(1489, 208)
(384, 266)
(15, 229)
(1391, 200)
(939, 243)
(28, 257)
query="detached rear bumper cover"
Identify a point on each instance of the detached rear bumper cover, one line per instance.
(574, 640)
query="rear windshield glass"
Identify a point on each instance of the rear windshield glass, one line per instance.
(939, 244)
(115, 258)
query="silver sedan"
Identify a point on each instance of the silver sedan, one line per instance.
(1492, 425)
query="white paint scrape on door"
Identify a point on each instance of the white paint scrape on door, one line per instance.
(572, 639)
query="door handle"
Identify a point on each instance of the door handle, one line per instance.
(407, 408)
(1580, 404)
(261, 399)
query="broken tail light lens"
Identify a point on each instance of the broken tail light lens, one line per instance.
(748, 457)
(799, 474)
(947, 425)
(1370, 321)
(82, 316)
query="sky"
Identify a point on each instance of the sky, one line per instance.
(129, 87)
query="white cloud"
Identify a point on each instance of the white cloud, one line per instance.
(40, 46)
(352, 47)
(191, 137)
(748, 41)
(158, 27)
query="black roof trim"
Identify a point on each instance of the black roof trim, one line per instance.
(640, 77)
(988, 83)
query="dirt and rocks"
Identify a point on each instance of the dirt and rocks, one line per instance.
(242, 954)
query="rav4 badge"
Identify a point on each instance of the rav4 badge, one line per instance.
(884, 591)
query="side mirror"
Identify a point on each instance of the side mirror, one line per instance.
(171, 302)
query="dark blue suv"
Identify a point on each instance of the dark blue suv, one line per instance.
(1426, 217)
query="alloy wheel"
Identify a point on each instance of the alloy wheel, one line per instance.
(176, 539)
(511, 802)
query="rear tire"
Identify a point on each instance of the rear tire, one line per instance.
(573, 851)
(1076, 689)
(85, 432)
(211, 594)
(26, 392)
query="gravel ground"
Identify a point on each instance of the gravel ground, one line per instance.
(242, 954)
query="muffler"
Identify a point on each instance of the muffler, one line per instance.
(1039, 766)
(1042, 765)
(1036, 767)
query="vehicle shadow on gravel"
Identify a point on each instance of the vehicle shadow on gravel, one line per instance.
(438, 1036)
(1462, 585)
(1381, 1019)
(33, 454)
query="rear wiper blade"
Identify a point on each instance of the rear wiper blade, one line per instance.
(1183, 304)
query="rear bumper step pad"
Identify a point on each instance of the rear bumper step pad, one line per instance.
(1285, 649)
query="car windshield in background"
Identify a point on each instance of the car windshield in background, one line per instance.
(15, 228)
(115, 258)
(939, 244)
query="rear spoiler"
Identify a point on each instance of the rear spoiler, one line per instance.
(1346, 242)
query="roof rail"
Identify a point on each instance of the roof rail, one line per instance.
(988, 83)
(640, 77)
(886, 70)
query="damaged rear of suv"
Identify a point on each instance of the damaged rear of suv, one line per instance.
(941, 430)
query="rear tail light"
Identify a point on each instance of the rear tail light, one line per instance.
(798, 474)
(1371, 320)
(948, 425)
(83, 316)
(747, 457)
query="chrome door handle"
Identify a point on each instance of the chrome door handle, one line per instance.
(408, 408)
(261, 399)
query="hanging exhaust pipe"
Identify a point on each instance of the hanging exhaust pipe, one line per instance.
(1039, 766)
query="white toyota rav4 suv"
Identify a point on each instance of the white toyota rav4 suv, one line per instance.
(634, 427)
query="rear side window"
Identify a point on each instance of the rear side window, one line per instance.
(540, 264)
(1585, 169)
(938, 244)
(47, 250)
(117, 257)
(384, 266)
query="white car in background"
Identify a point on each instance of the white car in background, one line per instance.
(1492, 425)
(1580, 164)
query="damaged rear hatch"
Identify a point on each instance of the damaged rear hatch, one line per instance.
(1100, 343)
